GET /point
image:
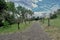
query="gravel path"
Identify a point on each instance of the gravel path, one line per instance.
(35, 32)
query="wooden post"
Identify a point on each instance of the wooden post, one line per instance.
(48, 21)
(43, 20)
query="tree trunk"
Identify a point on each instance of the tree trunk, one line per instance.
(18, 26)
(43, 20)
(25, 21)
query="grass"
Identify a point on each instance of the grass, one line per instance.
(14, 28)
(54, 29)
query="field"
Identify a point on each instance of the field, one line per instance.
(54, 29)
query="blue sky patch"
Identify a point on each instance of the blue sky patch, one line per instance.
(46, 5)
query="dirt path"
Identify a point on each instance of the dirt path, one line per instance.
(35, 32)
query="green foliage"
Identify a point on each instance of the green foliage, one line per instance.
(19, 8)
(58, 12)
(53, 16)
(10, 6)
(2, 5)
(10, 18)
(6, 24)
(30, 12)
(2, 8)
(24, 12)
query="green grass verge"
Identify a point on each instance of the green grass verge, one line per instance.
(14, 28)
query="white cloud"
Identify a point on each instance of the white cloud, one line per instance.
(5, 0)
(34, 5)
(38, 14)
(35, 1)
(16, 4)
(54, 8)
(41, 14)
(28, 8)
(40, 0)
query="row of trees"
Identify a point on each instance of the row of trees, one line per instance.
(9, 14)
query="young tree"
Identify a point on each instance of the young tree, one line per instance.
(49, 19)
(30, 12)
(23, 12)
(19, 20)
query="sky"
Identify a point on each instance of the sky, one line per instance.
(45, 5)
(24, 3)
(39, 6)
